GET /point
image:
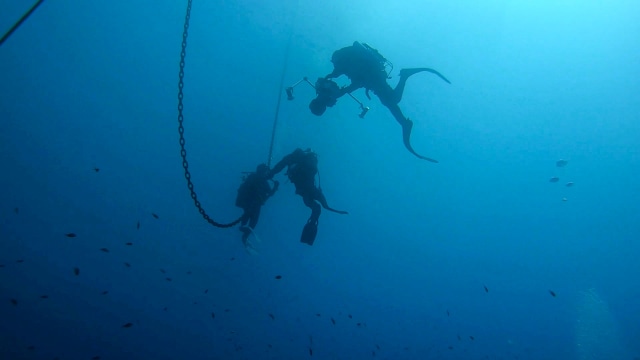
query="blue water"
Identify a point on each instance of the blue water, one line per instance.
(89, 85)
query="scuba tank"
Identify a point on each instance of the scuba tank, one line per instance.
(376, 56)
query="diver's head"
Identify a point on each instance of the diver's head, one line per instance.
(262, 169)
(318, 106)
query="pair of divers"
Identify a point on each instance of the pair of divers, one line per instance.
(302, 168)
(366, 68)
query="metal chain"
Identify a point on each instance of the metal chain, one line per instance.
(183, 151)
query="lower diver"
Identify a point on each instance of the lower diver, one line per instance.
(252, 194)
(302, 169)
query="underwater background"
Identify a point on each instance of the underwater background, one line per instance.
(478, 257)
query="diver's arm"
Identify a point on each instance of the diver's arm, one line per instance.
(273, 190)
(286, 161)
(349, 88)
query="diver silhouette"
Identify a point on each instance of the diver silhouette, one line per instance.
(252, 194)
(302, 169)
(365, 67)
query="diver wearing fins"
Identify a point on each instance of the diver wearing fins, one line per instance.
(252, 194)
(366, 68)
(302, 169)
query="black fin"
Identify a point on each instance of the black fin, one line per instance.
(309, 233)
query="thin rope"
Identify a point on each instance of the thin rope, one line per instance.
(22, 19)
(284, 71)
(183, 151)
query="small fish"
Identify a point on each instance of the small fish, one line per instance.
(359, 324)
(310, 352)
(554, 179)
(162, 271)
(127, 325)
(377, 346)
(188, 272)
(227, 310)
(350, 317)
(278, 277)
(569, 184)
(129, 244)
(459, 338)
(70, 235)
(552, 293)
(486, 289)
(168, 279)
(561, 163)
(96, 169)
(373, 353)
(105, 292)
(269, 346)
(44, 296)
(448, 314)
(138, 226)
(206, 291)
(232, 258)
(195, 303)
(95, 358)
(333, 321)
(272, 317)
(14, 301)
(471, 337)
(104, 250)
(165, 309)
(1, 265)
(127, 264)
(564, 199)
(318, 315)
(31, 347)
(213, 315)
(76, 271)
(155, 216)
(19, 261)
(450, 347)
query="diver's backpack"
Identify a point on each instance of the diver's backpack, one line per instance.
(306, 167)
(374, 54)
(358, 59)
(244, 197)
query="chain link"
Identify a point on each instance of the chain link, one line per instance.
(183, 151)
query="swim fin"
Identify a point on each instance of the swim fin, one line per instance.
(309, 233)
(406, 136)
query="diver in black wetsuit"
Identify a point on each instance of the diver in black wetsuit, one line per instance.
(252, 194)
(302, 170)
(365, 67)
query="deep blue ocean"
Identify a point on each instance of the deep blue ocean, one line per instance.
(103, 254)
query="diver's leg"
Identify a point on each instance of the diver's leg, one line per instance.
(243, 225)
(407, 126)
(254, 217)
(314, 206)
(310, 229)
(323, 201)
(404, 75)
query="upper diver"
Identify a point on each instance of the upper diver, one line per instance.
(302, 169)
(365, 67)
(252, 194)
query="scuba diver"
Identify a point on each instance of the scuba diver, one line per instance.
(366, 68)
(252, 194)
(302, 169)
